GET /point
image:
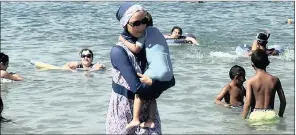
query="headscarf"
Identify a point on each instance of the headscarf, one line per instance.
(125, 12)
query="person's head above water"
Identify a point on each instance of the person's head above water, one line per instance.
(259, 59)
(238, 73)
(132, 18)
(176, 32)
(4, 61)
(262, 38)
(86, 56)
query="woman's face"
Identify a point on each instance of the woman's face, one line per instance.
(86, 58)
(137, 31)
(176, 33)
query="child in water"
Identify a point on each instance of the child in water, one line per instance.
(234, 92)
(261, 90)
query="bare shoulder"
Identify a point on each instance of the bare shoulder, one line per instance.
(251, 80)
(228, 86)
(3, 73)
(275, 79)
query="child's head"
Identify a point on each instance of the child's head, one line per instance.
(238, 74)
(259, 59)
(262, 38)
(4, 60)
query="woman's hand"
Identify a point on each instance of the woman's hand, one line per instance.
(99, 66)
(96, 67)
(145, 79)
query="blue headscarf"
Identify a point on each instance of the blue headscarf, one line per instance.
(123, 14)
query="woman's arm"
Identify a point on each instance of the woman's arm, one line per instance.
(152, 88)
(15, 77)
(71, 65)
(120, 61)
(97, 66)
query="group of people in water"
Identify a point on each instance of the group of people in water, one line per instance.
(142, 71)
(260, 92)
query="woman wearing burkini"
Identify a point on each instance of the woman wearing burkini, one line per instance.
(158, 57)
(126, 83)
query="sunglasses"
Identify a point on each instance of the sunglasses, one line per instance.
(88, 56)
(138, 23)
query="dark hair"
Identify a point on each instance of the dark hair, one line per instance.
(150, 21)
(92, 55)
(260, 59)
(262, 38)
(4, 58)
(236, 70)
(176, 27)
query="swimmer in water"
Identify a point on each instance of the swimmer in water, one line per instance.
(261, 43)
(85, 63)
(261, 90)
(234, 92)
(176, 33)
(4, 64)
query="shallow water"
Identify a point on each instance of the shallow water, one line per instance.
(64, 102)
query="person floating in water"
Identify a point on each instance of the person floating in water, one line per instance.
(261, 90)
(176, 33)
(261, 43)
(4, 64)
(234, 92)
(85, 63)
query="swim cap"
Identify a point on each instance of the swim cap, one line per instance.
(263, 36)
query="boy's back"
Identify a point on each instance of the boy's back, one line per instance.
(237, 95)
(263, 87)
